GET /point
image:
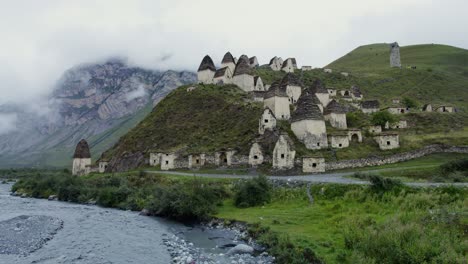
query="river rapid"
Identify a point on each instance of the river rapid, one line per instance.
(74, 233)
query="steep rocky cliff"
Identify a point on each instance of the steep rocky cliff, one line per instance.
(100, 102)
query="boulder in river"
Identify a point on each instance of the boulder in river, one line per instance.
(241, 249)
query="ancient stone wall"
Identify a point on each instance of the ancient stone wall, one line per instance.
(313, 165)
(244, 81)
(377, 161)
(205, 76)
(81, 166)
(279, 106)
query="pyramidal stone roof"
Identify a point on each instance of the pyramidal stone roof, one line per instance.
(207, 64)
(291, 79)
(307, 108)
(370, 104)
(220, 72)
(82, 150)
(245, 58)
(273, 60)
(275, 90)
(228, 58)
(334, 107)
(242, 67)
(318, 87)
(356, 91)
(293, 62)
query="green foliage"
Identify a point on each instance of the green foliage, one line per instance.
(411, 103)
(190, 201)
(207, 119)
(183, 200)
(282, 247)
(252, 192)
(399, 241)
(382, 117)
(460, 165)
(357, 119)
(381, 185)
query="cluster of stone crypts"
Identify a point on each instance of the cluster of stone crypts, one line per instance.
(232, 71)
(307, 108)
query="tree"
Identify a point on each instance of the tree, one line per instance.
(382, 117)
(410, 103)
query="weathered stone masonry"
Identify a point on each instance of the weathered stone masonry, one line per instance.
(377, 161)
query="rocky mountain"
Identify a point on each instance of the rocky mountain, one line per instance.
(99, 102)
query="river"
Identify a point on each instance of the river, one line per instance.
(92, 234)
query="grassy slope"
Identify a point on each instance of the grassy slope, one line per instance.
(207, 119)
(441, 77)
(211, 118)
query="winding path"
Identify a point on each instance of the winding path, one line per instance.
(337, 177)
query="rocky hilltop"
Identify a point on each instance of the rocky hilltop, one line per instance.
(96, 101)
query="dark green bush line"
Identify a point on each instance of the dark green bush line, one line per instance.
(185, 201)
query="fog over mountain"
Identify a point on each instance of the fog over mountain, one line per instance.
(42, 39)
(175, 34)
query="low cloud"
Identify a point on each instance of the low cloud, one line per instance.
(137, 93)
(7, 123)
(41, 39)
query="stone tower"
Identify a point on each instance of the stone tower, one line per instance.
(81, 159)
(395, 55)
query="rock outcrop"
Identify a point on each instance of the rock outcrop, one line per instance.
(100, 102)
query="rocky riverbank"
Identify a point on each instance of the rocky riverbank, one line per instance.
(227, 244)
(25, 234)
(206, 243)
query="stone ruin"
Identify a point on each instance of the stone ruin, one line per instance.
(395, 55)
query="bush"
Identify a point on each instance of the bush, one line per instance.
(281, 246)
(256, 191)
(186, 201)
(408, 102)
(454, 166)
(401, 241)
(382, 117)
(381, 185)
(113, 196)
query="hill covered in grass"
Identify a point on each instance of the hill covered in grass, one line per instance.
(440, 77)
(212, 118)
(207, 119)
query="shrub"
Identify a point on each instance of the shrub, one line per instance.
(281, 246)
(408, 102)
(453, 166)
(113, 196)
(382, 117)
(381, 185)
(401, 241)
(256, 191)
(186, 201)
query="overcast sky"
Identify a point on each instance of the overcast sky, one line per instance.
(41, 39)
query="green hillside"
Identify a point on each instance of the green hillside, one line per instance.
(207, 119)
(370, 58)
(213, 117)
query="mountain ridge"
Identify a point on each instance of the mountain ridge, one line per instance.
(99, 101)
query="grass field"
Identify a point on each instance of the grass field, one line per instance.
(322, 226)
